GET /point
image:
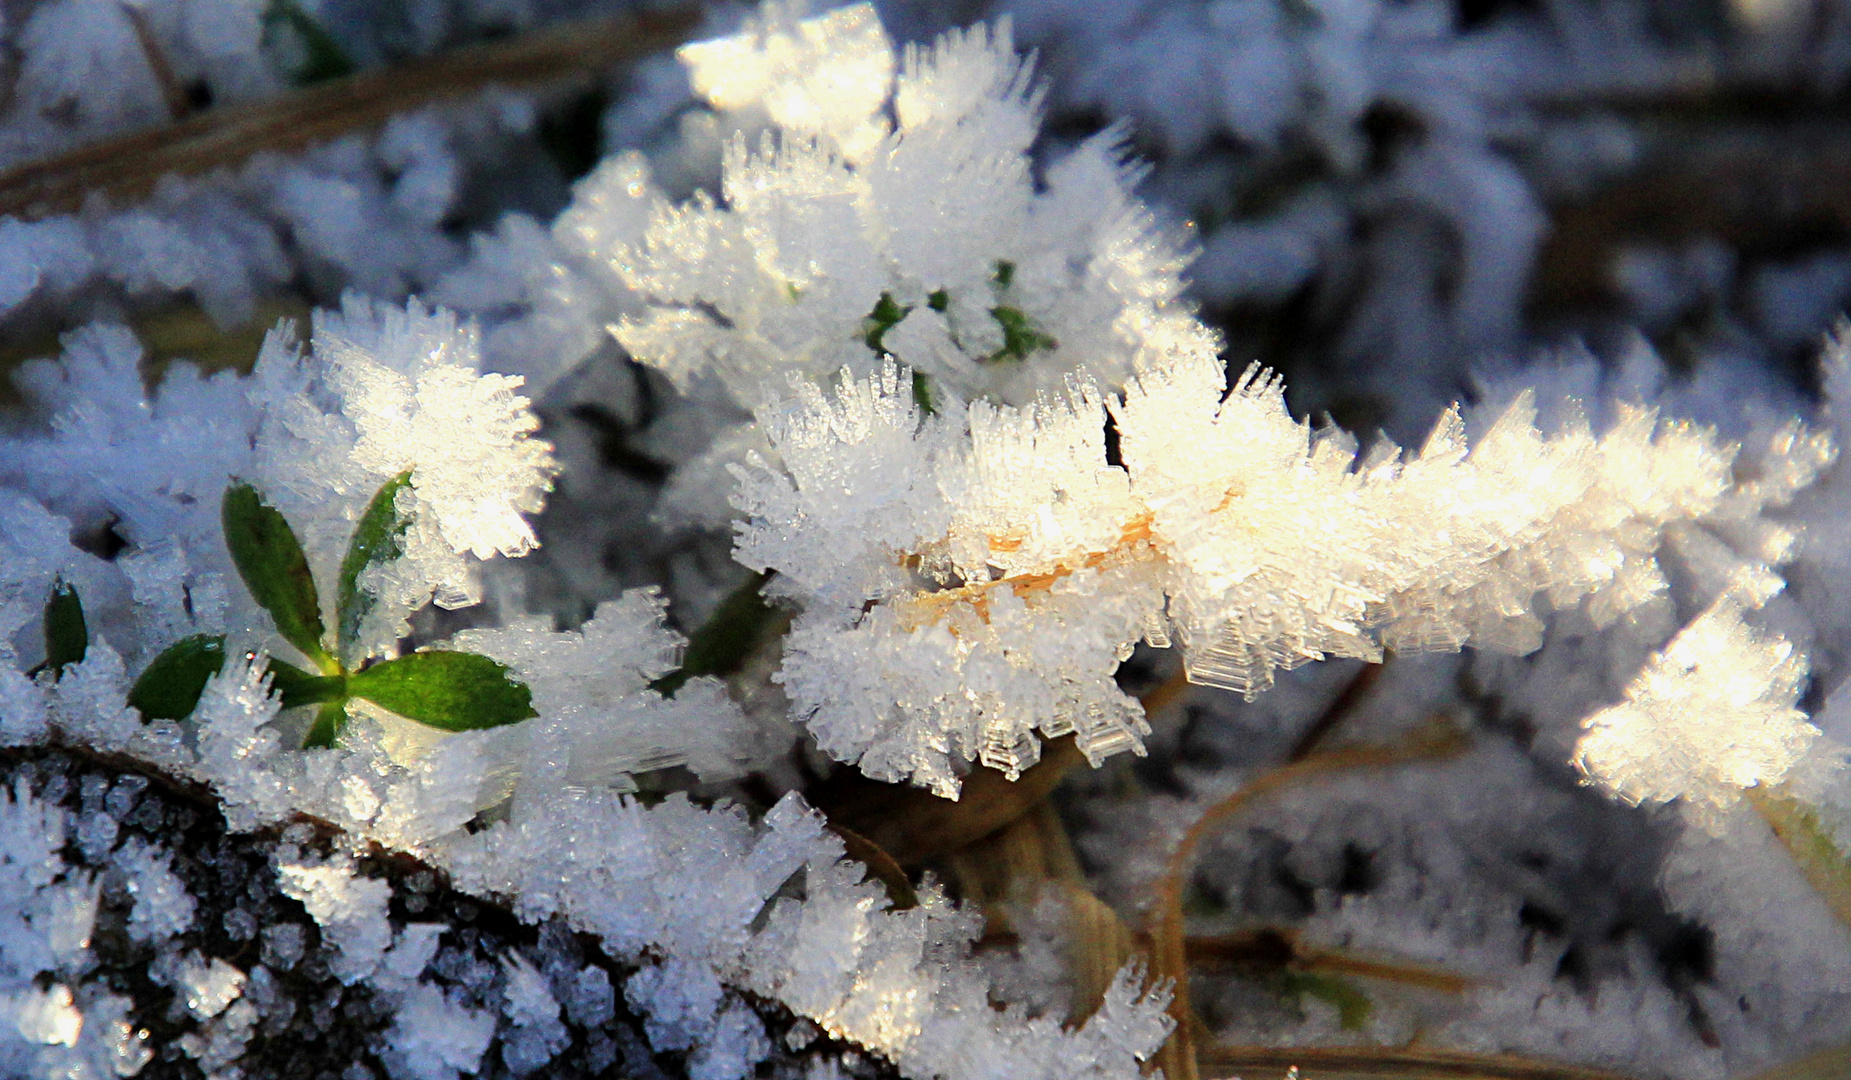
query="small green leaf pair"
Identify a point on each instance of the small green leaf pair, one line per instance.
(454, 691)
(67, 635)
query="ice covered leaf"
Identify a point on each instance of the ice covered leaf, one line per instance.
(455, 691)
(271, 562)
(169, 688)
(67, 637)
(1709, 717)
(378, 538)
(856, 235)
(972, 578)
(722, 642)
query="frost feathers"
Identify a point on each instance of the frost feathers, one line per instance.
(968, 582)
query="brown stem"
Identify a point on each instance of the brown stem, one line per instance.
(127, 168)
(1345, 703)
(173, 95)
(881, 867)
(914, 825)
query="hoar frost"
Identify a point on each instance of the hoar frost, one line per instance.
(997, 566)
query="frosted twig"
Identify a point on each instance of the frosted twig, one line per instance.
(127, 168)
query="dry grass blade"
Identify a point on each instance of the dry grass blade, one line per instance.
(183, 332)
(1743, 185)
(128, 167)
(1099, 945)
(1014, 862)
(1384, 1063)
(1813, 850)
(914, 825)
(1028, 861)
(1170, 956)
(1345, 703)
(1281, 947)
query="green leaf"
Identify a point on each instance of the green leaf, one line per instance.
(297, 687)
(724, 641)
(1352, 1005)
(322, 56)
(67, 636)
(938, 300)
(1019, 337)
(169, 687)
(327, 726)
(922, 393)
(377, 539)
(1798, 827)
(454, 691)
(271, 562)
(886, 314)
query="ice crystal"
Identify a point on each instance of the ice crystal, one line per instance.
(406, 396)
(350, 909)
(1709, 716)
(990, 450)
(1001, 566)
(851, 234)
(599, 722)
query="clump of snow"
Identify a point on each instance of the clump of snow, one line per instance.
(599, 721)
(52, 1021)
(434, 1037)
(899, 982)
(390, 390)
(349, 908)
(534, 1033)
(162, 905)
(992, 287)
(1711, 715)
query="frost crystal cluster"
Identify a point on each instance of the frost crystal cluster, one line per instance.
(931, 376)
(1000, 566)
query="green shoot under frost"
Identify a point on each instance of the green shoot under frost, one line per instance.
(454, 691)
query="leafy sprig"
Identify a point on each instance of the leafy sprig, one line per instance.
(454, 691)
